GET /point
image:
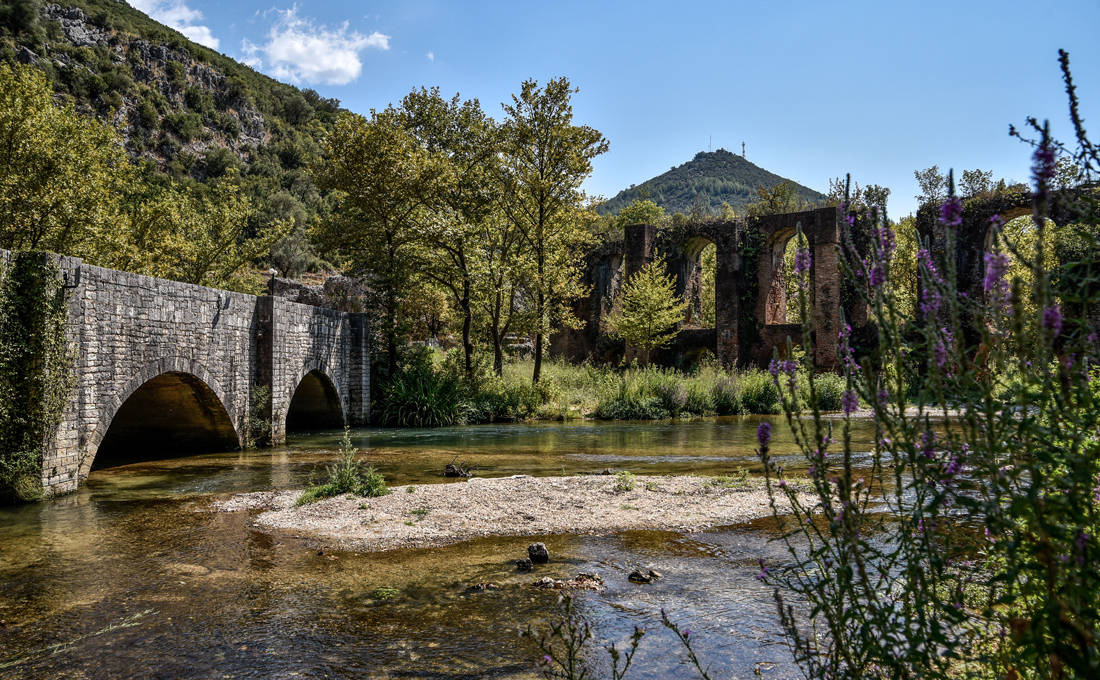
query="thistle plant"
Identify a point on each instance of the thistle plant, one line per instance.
(965, 543)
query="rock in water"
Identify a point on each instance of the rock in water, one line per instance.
(538, 553)
(644, 576)
(524, 565)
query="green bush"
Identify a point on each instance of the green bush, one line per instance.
(186, 126)
(700, 400)
(726, 397)
(829, 387)
(347, 475)
(624, 481)
(421, 396)
(758, 392)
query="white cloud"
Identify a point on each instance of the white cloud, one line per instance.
(176, 14)
(301, 51)
(430, 56)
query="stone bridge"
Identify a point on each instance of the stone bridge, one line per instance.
(164, 367)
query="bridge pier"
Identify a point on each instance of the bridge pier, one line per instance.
(176, 353)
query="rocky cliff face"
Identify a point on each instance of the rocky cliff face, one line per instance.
(199, 107)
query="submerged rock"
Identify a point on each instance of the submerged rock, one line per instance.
(644, 576)
(582, 581)
(525, 564)
(538, 553)
(482, 587)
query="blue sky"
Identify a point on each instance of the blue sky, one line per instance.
(814, 89)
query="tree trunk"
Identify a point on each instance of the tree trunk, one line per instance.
(498, 354)
(538, 337)
(467, 324)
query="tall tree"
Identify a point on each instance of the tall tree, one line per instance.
(545, 159)
(384, 178)
(501, 306)
(467, 140)
(933, 185)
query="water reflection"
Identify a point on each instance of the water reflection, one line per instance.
(132, 577)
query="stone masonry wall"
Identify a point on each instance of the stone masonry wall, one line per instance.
(127, 329)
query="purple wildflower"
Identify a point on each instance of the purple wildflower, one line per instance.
(849, 402)
(802, 261)
(887, 242)
(997, 221)
(1052, 319)
(883, 397)
(951, 212)
(764, 434)
(877, 276)
(1042, 167)
(996, 264)
(763, 571)
(927, 444)
(939, 353)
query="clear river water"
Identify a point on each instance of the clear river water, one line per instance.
(134, 577)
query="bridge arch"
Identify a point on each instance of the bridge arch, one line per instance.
(315, 400)
(173, 404)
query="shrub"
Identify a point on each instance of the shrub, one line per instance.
(624, 481)
(759, 393)
(726, 397)
(829, 387)
(700, 401)
(186, 126)
(347, 475)
(420, 396)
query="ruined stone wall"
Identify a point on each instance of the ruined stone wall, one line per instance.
(750, 319)
(126, 329)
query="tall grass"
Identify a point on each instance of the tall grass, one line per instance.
(432, 392)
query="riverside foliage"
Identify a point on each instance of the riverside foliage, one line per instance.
(985, 563)
(430, 391)
(965, 544)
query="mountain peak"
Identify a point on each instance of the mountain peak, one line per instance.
(708, 180)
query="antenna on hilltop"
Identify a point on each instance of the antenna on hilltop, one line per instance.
(742, 149)
(709, 146)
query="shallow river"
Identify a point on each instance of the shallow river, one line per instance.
(132, 577)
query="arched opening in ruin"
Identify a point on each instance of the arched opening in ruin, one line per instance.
(699, 285)
(172, 414)
(781, 307)
(315, 405)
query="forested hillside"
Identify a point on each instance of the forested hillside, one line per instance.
(704, 183)
(189, 115)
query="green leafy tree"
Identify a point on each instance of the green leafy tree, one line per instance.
(502, 275)
(933, 185)
(466, 140)
(641, 211)
(976, 182)
(384, 178)
(196, 235)
(545, 158)
(651, 310)
(60, 172)
(779, 199)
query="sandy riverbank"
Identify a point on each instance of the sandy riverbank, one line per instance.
(442, 514)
